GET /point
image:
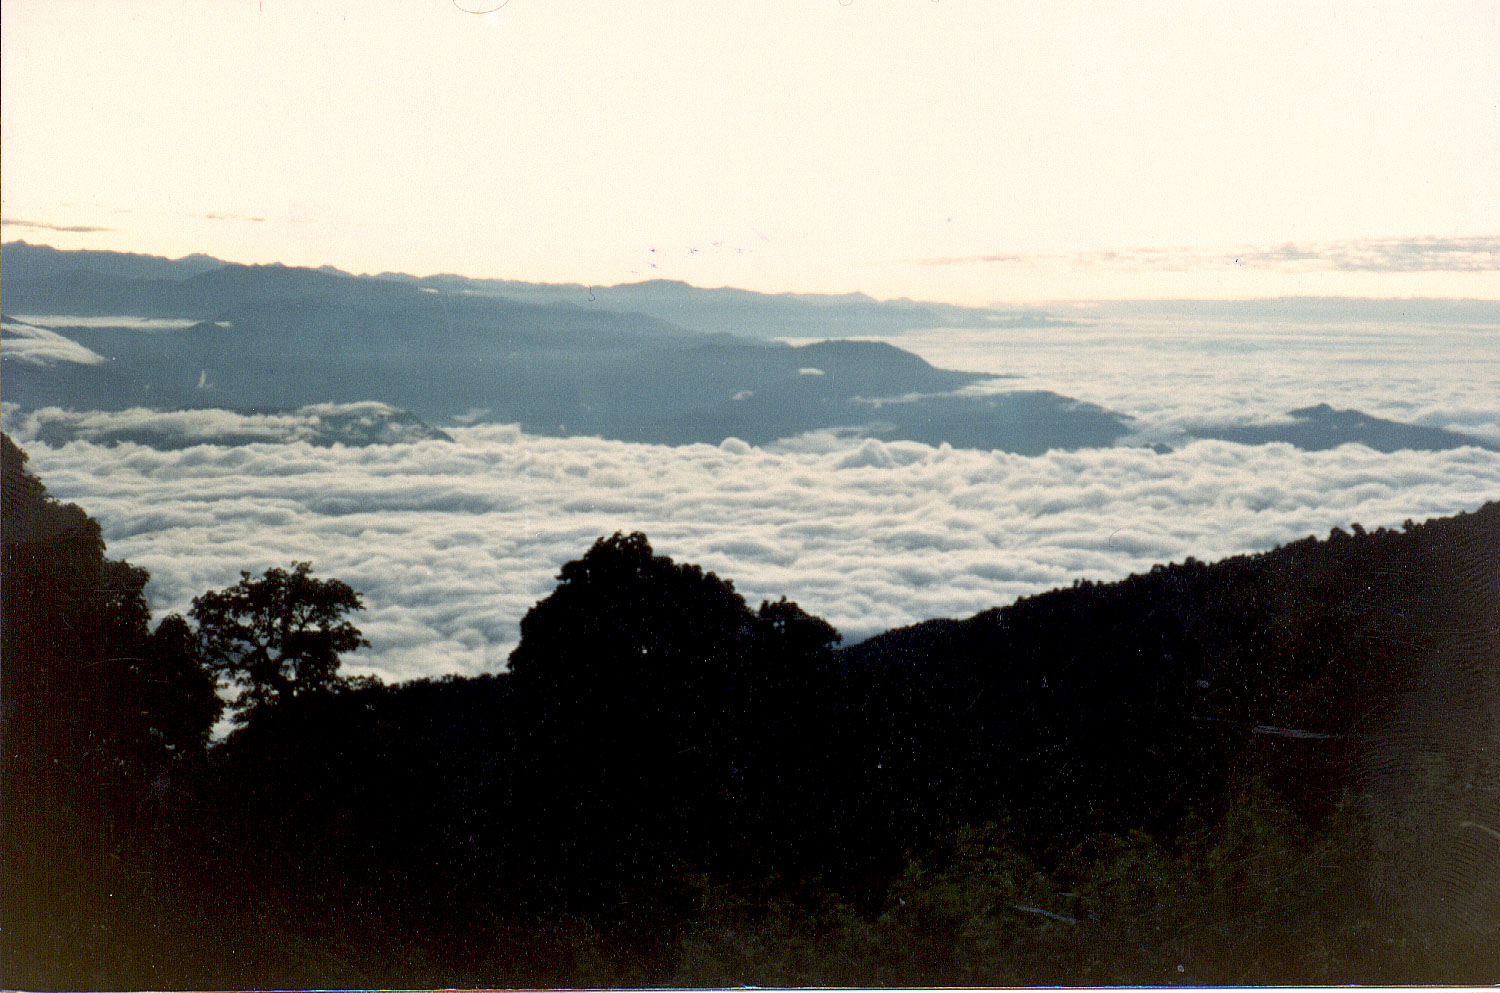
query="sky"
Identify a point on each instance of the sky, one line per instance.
(962, 150)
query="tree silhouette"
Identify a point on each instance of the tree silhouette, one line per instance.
(173, 689)
(88, 689)
(278, 638)
(659, 722)
(100, 720)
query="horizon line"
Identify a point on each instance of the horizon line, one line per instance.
(669, 280)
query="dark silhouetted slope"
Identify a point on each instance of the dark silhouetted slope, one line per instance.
(1275, 768)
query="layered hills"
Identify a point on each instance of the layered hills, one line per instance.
(270, 338)
(657, 362)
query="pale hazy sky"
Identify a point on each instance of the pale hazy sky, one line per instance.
(969, 150)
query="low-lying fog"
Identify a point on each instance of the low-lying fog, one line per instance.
(451, 541)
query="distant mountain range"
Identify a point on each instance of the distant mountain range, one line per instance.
(659, 361)
(40, 279)
(272, 338)
(1321, 427)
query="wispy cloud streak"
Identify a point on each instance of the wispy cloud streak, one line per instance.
(1476, 254)
(16, 222)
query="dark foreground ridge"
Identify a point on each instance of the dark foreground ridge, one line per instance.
(1276, 768)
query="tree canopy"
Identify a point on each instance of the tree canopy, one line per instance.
(102, 721)
(279, 637)
(1185, 776)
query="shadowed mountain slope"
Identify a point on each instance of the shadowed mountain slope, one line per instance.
(1362, 662)
(270, 338)
(1320, 427)
(658, 361)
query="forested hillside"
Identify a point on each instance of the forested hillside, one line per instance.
(1275, 768)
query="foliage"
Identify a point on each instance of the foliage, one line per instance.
(650, 701)
(1252, 900)
(278, 638)
(104, 726)
(1179, 778)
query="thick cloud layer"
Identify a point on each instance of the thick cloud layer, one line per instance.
(452, 542)
(1174, 374)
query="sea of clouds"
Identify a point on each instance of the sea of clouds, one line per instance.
(1174, 373)
(451, 542)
